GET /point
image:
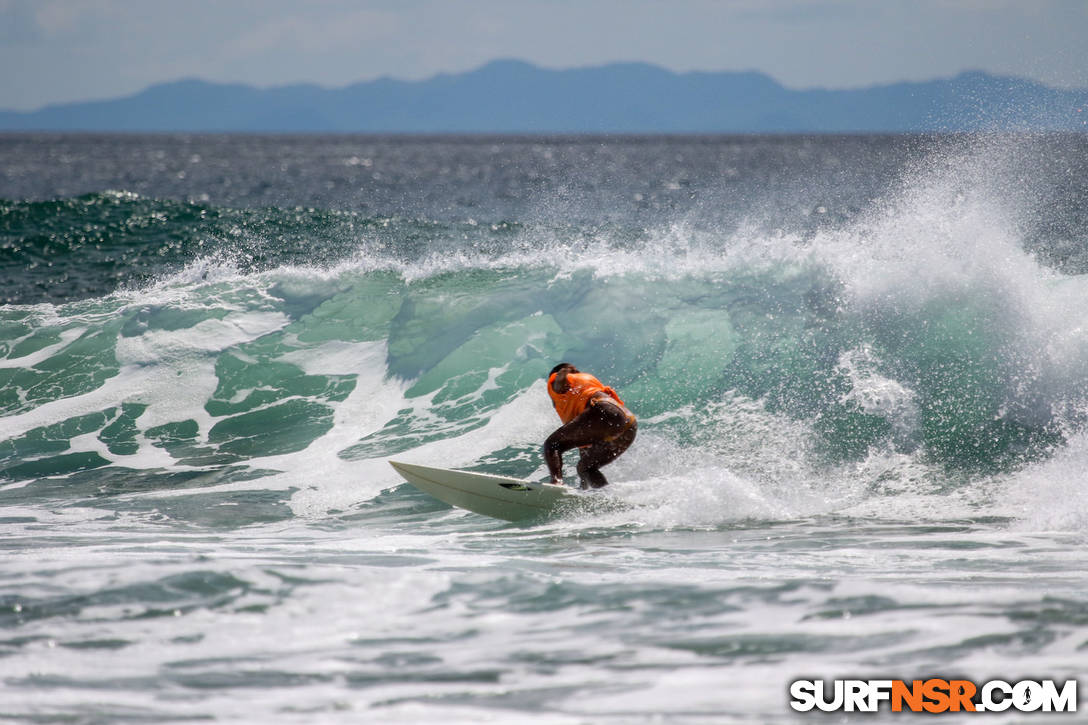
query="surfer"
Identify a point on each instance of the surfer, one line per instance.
(595, 421)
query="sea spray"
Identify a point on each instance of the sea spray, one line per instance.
(858, 364)
(917, 331)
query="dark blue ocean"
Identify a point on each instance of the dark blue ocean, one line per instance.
(860, 365)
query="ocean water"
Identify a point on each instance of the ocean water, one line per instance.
(860, 366)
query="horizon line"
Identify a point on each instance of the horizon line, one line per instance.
(548, 69)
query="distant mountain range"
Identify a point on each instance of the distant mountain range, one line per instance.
(515, 97)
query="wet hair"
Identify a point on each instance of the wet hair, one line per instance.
(559, 367)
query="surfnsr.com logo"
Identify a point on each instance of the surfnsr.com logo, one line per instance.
(933, 695)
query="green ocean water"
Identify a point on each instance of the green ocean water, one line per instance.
(860, 368)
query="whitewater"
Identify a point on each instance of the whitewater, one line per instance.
(860, 366)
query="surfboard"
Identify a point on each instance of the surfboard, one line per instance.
(500, 497)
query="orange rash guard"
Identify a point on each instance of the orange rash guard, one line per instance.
(583, 387)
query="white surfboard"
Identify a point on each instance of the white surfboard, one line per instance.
(500, 497)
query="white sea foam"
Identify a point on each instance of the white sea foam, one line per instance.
(740, 553)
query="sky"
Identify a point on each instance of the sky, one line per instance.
(54, 51)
